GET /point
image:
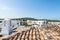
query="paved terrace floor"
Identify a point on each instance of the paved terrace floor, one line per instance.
(37, 33)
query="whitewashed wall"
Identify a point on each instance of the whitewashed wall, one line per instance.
(39, 22)
(53, 22)
(6, 27)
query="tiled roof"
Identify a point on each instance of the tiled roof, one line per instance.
(35, 34)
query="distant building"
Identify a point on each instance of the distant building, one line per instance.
(53, 22)
(22, 22)
(15, 23)
(38, 22)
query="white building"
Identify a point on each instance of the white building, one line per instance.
(54, 23)
(6, 27)
(15, 23)
(37, 22)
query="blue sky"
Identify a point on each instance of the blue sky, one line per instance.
(42, 9)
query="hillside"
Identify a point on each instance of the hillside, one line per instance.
(24, 19)
(53, 20)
